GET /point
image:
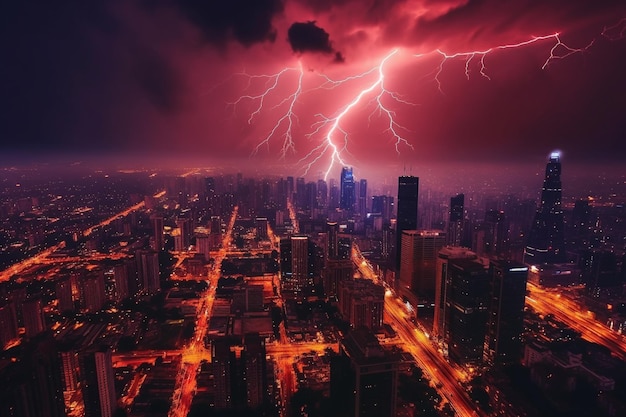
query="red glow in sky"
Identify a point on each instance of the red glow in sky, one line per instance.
(253, 81)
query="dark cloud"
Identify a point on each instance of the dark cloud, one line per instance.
(482, 21)
(245, 21)
(158, 80)
(369, 10)
(116, 75)
(308, 37)
(48, 57)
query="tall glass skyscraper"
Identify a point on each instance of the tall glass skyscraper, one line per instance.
(407, 210)
(546, 241)
(455, 220)
(348, 196)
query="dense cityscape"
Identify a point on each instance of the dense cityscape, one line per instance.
(158, 293)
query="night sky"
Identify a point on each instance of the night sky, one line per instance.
(183, 79)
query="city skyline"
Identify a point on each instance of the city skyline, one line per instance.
(184, 294)
(168, 81)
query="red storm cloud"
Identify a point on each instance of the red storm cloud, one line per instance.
(187, 77)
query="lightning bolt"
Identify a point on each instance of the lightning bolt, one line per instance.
(289, 118)
(615, 32)
(559, 50)
(328, 144)
(330, 132)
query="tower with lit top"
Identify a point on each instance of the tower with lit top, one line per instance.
(546, 241)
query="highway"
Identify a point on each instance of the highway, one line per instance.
(446, 378)
(41, 256)
(569, 312)
(195, 351)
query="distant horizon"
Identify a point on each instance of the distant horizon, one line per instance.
(453, 177)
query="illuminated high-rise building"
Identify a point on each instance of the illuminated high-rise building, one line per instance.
(186, 230)
(496, 234)
(32, 313)
(296, 257)
(361, 303)
(335, 272)
(300, 194)
(348, 195)
(157, 229)
(322, 194)
(98, 382)
(63, 292)
(441, 283)
(465, 312)
(505, 320)
(382, 205)
(418, 264)
(92, 291)
(456, 220)
(121, 277)
(262, 225)
(362, 198)
(407, 210)
(333, 240)
(334, 194)
(239, 372)
(148, 270)
(546, 241)
(364, 377)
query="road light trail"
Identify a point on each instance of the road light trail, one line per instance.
(573, 315)
(445, 377)
(195, 352)
(38, 258)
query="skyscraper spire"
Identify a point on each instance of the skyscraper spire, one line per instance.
(546, 241)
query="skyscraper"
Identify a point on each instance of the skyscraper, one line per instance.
(322, 194)
(347, 197)
(505, 320)
(239, 372)
(546, 241)
(148, 270)
(296, 257)
(333, 240)
(455, 220)
(419, 262)
(466, 310)
(99, 383)
(63, 292)
(186, 230)
(441, 283)
(362, 200)
(157, 232)
(364, 377)
(407, 210)
(382, 205)
(32, 313)
(496, 236)
(361, 303)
